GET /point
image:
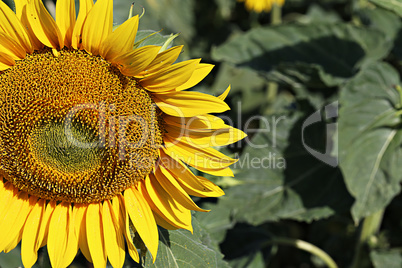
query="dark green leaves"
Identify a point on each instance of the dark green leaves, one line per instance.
(369, 138)
(180, 248)
(332, 52)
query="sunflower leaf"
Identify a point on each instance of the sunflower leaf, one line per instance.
(320, 54)
(393, 5)
(370, 138)
(180, 248)
(280, 178)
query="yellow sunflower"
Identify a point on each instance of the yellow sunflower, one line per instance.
(97, 135)
(262, 5)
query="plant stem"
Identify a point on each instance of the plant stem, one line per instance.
(303, 245)
(371, 225)
(276, 14)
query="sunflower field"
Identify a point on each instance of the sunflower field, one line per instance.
(314, 85)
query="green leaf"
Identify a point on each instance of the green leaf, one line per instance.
(393, 5)
(217, 221)
(389, 259)
(180, 248)
(150, 37)
(369, 138)
(280, 179)
(331, 52)
(381, 19)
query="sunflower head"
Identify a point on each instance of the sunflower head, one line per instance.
(97, 137)
(261, 5)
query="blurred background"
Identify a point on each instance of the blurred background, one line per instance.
(284, 66)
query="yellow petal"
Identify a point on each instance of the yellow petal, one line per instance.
(191, 154)
(174, 189)
(11, 26)
(137, 60)
(21, 8)
(164, 59)
(95, 238)
(192, 184)
(204, 139)
(80, 211)
(29, 244)
(201, 122)
(224, 94)
(163, 204)
(198, 75)
(143, 220)
(188, 104)
(206, 160)
(6, 61)
(85, 7)
(124, 219)
(114, 239)
(62, 245)
(65, 19)
(121, 40)
(13, 219)
(44, 226)
(170, 78)
(43, 25)
(11, 47)
(98, 25)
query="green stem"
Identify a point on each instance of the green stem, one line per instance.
(276, 14)
(303, 245)
(371, 225)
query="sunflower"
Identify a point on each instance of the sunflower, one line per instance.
(262, 5)
(98, 135)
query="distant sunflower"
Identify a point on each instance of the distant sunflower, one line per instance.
(97, 137)
(261, 5)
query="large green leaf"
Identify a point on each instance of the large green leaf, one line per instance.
(393, 5)
(389, 259)
(280, 179)
(370, 138)
(331, 52)
(182, 249)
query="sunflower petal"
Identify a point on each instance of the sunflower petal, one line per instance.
(13, 219)
(171, 186)
(137, 60)
(164, 59)
(196, 123)
(188, 104)
(224, 94)
(204, 139)
(198, 75)
(44, 226)
(11, 26)
(11, 47)
(163, 204)
(124, 220)
(21, 12)
(43, 25)
(171, 77)
(98, 25)
(95, 238)
(143, 220)
(29, 244)
(65, 19)
(80, 211)
(193, 185)
(62, 245)
(121, 40)
(114, 239)
(85, 7)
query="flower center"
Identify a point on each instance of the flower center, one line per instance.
(73, 128)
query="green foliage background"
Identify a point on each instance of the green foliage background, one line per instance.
(330, 52)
